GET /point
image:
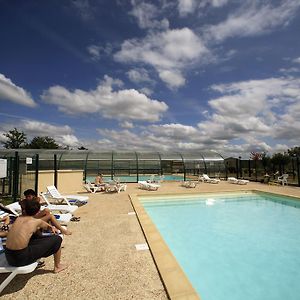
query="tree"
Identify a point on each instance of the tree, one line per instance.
(265, 160)
(280, 160)
(43, 142)
(15, 139)
(294, 151)
(82, 148)
(255, 156)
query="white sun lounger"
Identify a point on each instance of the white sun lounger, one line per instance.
(237, 181)
(59, 207)
(72, 199)
(148, 186)
(61, 217)
(92, 188)
(188, 184)
(206, 178)
(115, 187)
(6, 268)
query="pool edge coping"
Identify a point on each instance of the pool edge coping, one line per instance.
(176, 283)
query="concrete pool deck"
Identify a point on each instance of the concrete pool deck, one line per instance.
(103, 261)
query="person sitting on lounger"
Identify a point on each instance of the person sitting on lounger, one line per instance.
(43, 214)
(99, 180)
(24, 248)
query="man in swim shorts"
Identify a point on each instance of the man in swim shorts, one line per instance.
(23, 248)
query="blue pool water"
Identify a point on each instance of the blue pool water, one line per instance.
(239, 246)
(141, 177)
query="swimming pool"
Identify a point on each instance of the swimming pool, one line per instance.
(233, 246)
(141, 177)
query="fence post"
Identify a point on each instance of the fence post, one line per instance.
(249, 168)
(240, 161)
(36, 186)
(298, 170)
(10, 176)
(16, 177)
(55, 170)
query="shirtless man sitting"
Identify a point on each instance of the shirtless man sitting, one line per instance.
(43, 214)
(24, 248)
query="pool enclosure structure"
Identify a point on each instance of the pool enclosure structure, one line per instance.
(129, 166)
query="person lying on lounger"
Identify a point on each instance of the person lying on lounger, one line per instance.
(6, 219)
(23, 247)
(43, 214)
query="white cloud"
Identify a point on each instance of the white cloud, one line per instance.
(172, 78)
(11, 92)
(126, 104)
(139, 75)
(186, 6)
(266, 108)
(84, 9)
(253, 19)
(68, 140)
(174, 130)
(168, 52)
(147, 14)
(62, 134)
(297, 60)
(37, 128)
(127, 125)
(289, 70)
(146, 91)
(96, 51)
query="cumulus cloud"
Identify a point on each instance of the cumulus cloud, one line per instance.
(38, 128)
(63, 134)
(11, 92)
(147, 15)
(253, 19)
(297, 60)
(186, 6)
(96, 51)
(139, 75)
(122, 104)
(255, 108)
(169, 52)
(147, 91)
(126, 125)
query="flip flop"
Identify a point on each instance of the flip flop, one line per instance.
(41, 264)
(75, 219)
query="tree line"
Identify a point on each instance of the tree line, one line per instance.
(277, 159)
(16, 139)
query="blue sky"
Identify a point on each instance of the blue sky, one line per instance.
(180, 75)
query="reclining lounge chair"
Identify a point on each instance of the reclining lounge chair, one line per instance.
(206, 178)
(71, 199)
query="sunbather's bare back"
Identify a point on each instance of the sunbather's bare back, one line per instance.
(21, 232)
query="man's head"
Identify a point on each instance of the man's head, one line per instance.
(30, 194)
(32, 207)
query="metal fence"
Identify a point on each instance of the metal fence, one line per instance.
(24, 166)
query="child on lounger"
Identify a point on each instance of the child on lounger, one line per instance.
(43, 214)
(24, 248)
